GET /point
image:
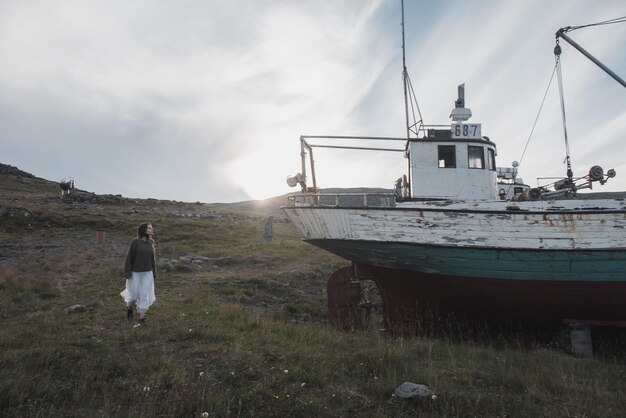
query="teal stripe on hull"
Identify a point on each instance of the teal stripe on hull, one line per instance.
(488, 263)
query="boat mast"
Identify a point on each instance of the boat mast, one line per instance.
(405, 79)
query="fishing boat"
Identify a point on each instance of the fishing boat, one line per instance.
(459, 236)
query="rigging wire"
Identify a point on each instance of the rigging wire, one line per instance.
(537, 117)
(605, 22)
(557, 55)
(409, 93)
(557, 65)
(414, 106)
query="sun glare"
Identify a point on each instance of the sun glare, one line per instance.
(262, 174)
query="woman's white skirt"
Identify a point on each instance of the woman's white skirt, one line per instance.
(140, 289)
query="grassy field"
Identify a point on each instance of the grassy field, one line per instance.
(247, 337)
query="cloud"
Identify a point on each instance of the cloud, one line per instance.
(205, 100)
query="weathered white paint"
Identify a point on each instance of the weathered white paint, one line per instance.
(460, 182)
(563, 224)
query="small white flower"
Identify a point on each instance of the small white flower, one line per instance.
(146, 389)
(205, 415)
(232, 373)
(286, 371)
(302, 385)
(189, 329)
(434, 397)
(201, 374)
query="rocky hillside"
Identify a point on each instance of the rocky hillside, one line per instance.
(9, 170)
(228, 242)
(19, 186)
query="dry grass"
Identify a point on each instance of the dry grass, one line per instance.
(245, 339)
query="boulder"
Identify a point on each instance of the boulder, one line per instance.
(165, 265)
(409, 390)
(75, 309)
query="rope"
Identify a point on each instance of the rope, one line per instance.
(545, 95)
(538, 113)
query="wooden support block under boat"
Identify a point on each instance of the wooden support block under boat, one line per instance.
(577, 340)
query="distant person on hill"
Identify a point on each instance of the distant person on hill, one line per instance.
(140, 274)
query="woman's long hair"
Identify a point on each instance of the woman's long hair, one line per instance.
(142, 231)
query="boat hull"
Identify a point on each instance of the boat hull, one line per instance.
(532, 262)
(538, 287)
(409, 296)
(534, 265)
(556, 225)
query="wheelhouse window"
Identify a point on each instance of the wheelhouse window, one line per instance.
(447, 156)
(492, 159)
(475, 157)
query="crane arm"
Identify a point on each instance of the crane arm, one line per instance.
(561, 34)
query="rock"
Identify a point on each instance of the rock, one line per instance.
(75, 309)
(409, 390)
(198, 259)
(165, 264)
(192, 262)
(268, 233)
(185, 259)
(15, 213)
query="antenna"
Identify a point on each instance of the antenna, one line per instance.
(460, 113)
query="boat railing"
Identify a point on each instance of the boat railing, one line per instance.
(380, 200)
(307, 178)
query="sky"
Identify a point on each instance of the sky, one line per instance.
(205, 100)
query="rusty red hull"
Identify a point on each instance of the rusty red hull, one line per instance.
(409, 296)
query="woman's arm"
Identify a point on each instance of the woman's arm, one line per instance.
(154, 269)
(129, 260)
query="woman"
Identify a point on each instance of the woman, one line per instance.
(140, 274)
